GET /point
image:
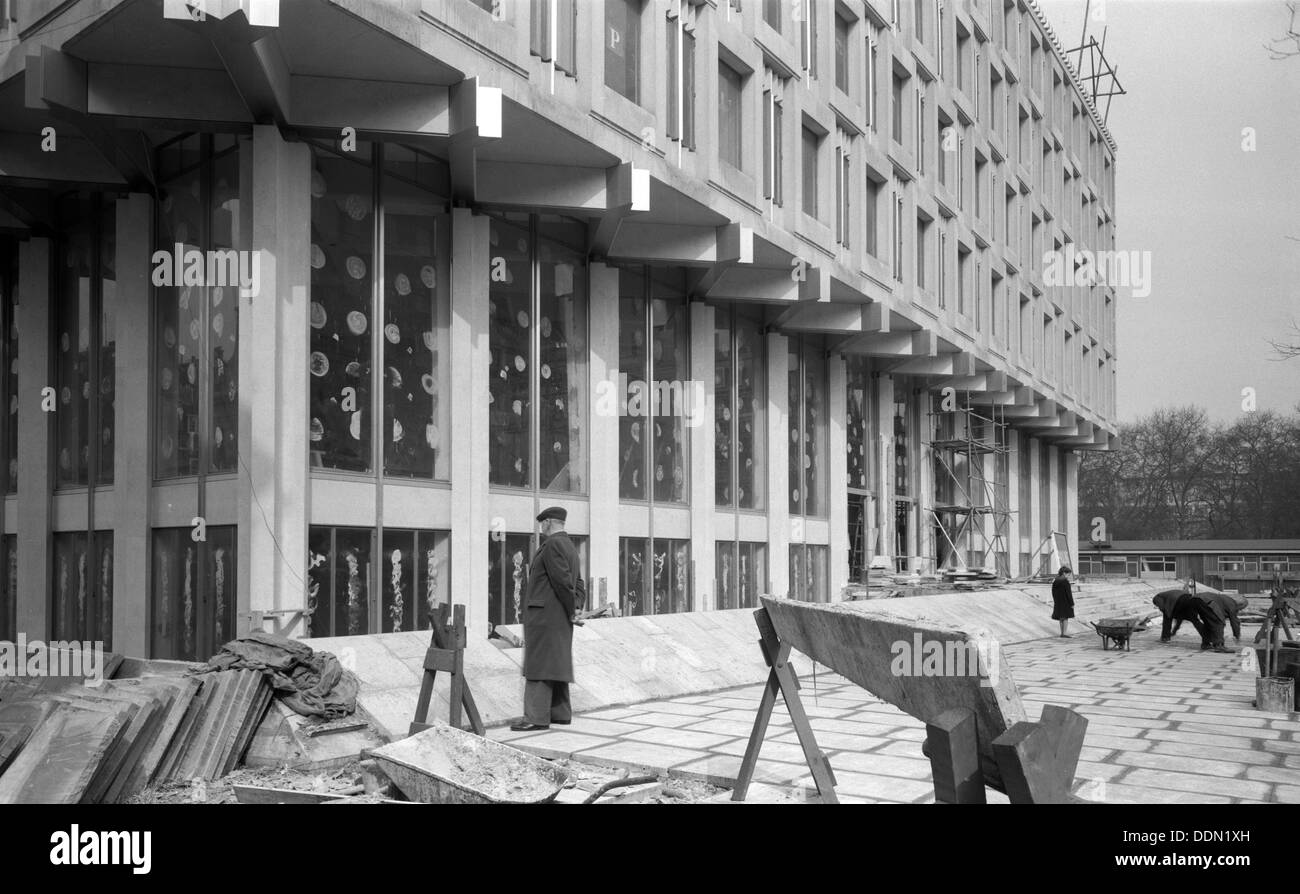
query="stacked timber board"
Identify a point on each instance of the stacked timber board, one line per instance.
(104, 743)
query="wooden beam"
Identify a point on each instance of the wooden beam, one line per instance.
(952, 744)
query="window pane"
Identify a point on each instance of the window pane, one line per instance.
(220, 581)
(179, 328)
(752, 573)
(723, 412)
(729, 116)
(508, 559)
(623, 47)
(633, 436)
(841, 54)
(857, 434)
(902, 446)
(9, 587)
(9, 282)
(351, 593)
(417, 332)
(671, 576)
(562, 374)
(632, 575)
(798, 581)
(795, 417)
(319, 585)
(725, 585)
(105, 378)
(510, 321)
(397, 582)
(223, 320)
(432, 575)
(751, 413)
(814, 461)
(679, 404)
(342, 313)
(193, 606)
(73, 579)
(72, 348)
(809, 161)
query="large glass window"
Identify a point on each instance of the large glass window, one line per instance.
(739, 408)
(623, 47)
(741, 571)
(859, 443)
(196, 328)
(192, 612)
(808, 416)
(412, 341)
(809, 581)
(902, 442)
(342, 310)
(83, 587)
(413, 581)
(662, 400)
(655, 575)
(538, 343)
(85, 339)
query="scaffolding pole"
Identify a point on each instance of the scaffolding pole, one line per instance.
(970, 507)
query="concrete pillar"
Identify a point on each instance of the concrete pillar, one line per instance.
(470, 263)
(35, 475)
(1034, 530)
(1053, 472)
(602, 547)
(884, 429)
(1072, 506)
(838, 480)
(131, 475)
(778, 464)
(273, 382)
(703, 469)
(1014, 457)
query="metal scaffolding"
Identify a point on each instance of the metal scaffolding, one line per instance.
(971, 467)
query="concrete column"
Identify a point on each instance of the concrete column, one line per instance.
(273, 382)
(921, 536)
(1014, 523)
(884, 429)
(35, 475)
(1053, 491)
(470, 263)
(131, 477)
(703, 491)
(603, 543)
(838, 480)
(778, 461)
(1034, 530)
(1072, 506)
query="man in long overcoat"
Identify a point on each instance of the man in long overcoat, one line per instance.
(555, 593)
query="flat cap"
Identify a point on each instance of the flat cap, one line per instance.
(552, 512)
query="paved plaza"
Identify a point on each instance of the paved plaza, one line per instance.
(1166, 724)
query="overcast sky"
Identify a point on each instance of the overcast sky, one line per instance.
(1224, 277)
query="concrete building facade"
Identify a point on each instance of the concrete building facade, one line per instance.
(310, 307)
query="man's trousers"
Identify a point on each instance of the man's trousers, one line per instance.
(547, 702)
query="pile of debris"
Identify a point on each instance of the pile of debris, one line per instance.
(69, 740)
(102, 743)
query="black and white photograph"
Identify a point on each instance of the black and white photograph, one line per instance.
(651, 402)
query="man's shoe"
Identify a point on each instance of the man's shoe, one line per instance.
(1224, 649)
(526, 727)
(562, 722)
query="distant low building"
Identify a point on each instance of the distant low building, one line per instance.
(1247, 566)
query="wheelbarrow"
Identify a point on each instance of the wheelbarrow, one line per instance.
(1116, 631)
(445, 765)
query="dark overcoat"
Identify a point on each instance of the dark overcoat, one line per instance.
(1062, 599)
(555, 589)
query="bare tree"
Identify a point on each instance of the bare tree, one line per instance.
(1289, 45)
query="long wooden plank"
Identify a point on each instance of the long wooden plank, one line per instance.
(60, 760)
(885, 656)
(145, 769)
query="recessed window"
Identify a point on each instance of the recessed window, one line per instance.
(811, 145)
(623, 47)
(730, 118)
(843, 30)
(681, 84)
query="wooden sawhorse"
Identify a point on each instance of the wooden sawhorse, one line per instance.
(447, 654)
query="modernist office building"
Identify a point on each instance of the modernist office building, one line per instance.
(699, 272)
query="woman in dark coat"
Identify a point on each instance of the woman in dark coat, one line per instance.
(1062, 599)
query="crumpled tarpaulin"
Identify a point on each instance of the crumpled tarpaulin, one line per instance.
(311, 683)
